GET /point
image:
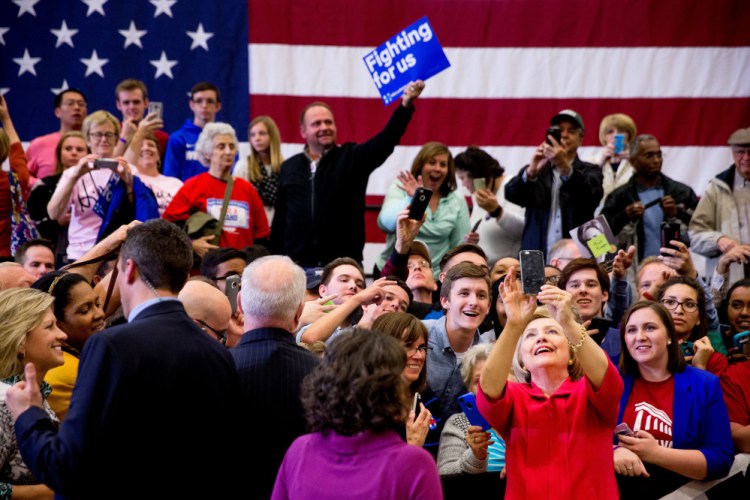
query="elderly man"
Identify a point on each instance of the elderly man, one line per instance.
(152, 399)
(558, 189)
(271, 365)
(636, 210)
(320, 206)
(721, 222)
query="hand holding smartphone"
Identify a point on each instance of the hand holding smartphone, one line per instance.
(480, 183)
(419, 203)
(619, 143)
(624, 429)
(106, 163)
(669, 231)
(554, 132)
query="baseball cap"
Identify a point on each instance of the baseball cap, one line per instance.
(313, 276)
(740, 137)
(570, 115)
(419, 248)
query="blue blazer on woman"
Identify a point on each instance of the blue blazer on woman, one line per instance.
(700, 419)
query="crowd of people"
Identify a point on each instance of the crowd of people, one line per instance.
(169, 303)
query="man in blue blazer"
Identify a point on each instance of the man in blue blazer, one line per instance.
(270, 363)
(154, 399)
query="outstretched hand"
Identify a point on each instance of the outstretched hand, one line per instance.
(24, 394)
(518, 306)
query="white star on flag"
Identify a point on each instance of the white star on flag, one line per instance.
(3, 31)
(4, 90)
(94, 64)
(132, 35)
(95, 6)
(26, 63)
(25, 6)
(200, 37)
(64, 35)
(163, 7)
(64, 86)
(163, 66)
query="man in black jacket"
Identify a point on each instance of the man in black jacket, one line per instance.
(558, 190)
(636, 210)
(320, 205)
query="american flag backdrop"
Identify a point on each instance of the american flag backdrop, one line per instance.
(92, 45)
(680, 68)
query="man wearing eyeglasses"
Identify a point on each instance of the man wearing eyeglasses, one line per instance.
(636, 210)
(70, 109)
(181, 160)
(721, 223)
(208, 307)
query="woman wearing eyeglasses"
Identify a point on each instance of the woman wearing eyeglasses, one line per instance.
(413, 335)
(685, 299)
(80, 188)
(677, 413)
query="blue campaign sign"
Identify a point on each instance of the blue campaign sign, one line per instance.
(413, 54)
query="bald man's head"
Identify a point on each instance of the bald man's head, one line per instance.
(206, 305)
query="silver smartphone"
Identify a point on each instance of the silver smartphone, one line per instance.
(156, 108)
(532, 271)
(232, 290)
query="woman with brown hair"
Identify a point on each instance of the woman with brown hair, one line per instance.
(447, 216)
(354, 400)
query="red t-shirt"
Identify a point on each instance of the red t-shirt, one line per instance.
(650, 409)
(246, 218)
(735, 384)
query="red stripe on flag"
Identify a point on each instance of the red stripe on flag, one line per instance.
(510, 23)
(516, 122)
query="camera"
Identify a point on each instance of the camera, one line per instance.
(106, 163)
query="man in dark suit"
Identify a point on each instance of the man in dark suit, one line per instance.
(154, 399)
(270, 363)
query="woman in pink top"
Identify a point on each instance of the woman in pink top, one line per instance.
(558, 419)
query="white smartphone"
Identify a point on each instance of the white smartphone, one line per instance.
(415, 404)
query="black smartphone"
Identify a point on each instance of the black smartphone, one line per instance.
(106, 163)
(468, 404)
(419, 203)
(232, 289)
(669, 231)
(687, 348)
(601, 324)
(532, 271)
(554, 132)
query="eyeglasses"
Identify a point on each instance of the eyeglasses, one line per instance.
(411, 351)
(420, 264)
(688, 306)
(102, 135)
(220, 334)
(71, 103)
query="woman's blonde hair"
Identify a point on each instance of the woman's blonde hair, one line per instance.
(274, 145)
(522, 374)
(98, 118)
(21, 310)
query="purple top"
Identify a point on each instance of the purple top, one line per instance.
(368, 465)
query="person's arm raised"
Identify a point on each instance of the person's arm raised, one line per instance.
(519, 309)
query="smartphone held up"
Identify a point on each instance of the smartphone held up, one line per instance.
(419, 203)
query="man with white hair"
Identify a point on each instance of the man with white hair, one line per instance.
(208, 307)
(270, 363)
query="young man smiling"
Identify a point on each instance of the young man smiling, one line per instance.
(465, 297)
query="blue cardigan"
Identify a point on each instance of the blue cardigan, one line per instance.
(700, 419)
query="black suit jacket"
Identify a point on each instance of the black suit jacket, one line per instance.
(271, 367)
(151, 416)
